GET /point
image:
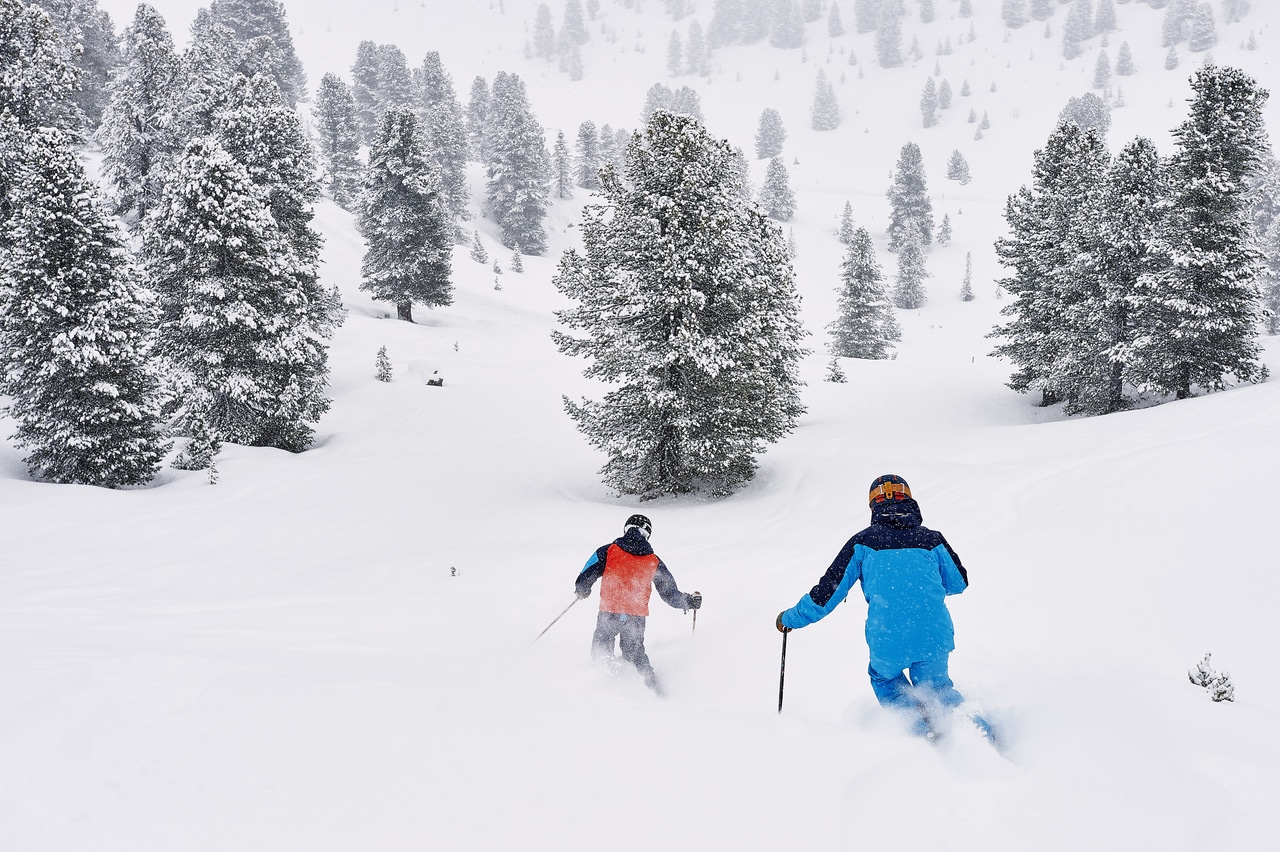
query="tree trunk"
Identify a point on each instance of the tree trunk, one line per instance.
(404, 311)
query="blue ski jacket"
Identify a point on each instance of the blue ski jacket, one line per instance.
(907, 570)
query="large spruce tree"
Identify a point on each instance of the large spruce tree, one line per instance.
(335, 116)
(445, 130)
(1049, 228)
(241, 327)
(77, 330)
(254, 19)
(405, 221)
(519, 167)
(1204, 330)
(909, 198)
(686, 304)
(140, 129)
(866, 326)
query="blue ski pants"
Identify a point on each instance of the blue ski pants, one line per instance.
(893, 689)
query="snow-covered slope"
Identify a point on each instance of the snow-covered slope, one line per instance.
(333, 650)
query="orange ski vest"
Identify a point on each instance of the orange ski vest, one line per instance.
(627, 581)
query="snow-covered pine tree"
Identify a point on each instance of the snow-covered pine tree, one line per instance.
(846, 230)
(835, 375)
(561, 168)
(366, 90)
(252, 19)
(770, 134)
(477, 118)
(478, 253)
(241, 330)
(1171, 59)
(965, 10)
(36, 84)
(1102, 71)
(835, 26)
(1042, 10)
(811, 10)
(89, 44)
(944, 230)
(826, 108)
(958, 167)
(405, 221)
(675, 54)
(586, 160)
(695, 51)
(725, 24)
(1114, 286)
(966, 286)
(1014, 13)
(1048, 224)
(266, 137)
(1204, 331)
(574, 24)
(865, 326)
(201, 449)
(544, 33)
(698, 329)
(908, 286)
(382, 366)
(339, 142)
(889, 34)
(787, 31)
(395, 80)
(1124, 61)
(929, 104)
(517, 261)
(1177, 19)
(1234, 10)
(944, 95)
(685, 101)
(1104, 19)
(1204, 34)
(444, 130)
(866, 15)
(1077, 28)
(519, 167)
(139, 131)
(909, 198)
(757, 19)
(776, 198)
(1088, 111)
(76, 329)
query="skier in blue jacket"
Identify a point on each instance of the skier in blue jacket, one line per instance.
(907, 570)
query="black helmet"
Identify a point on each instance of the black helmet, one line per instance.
(640, 522)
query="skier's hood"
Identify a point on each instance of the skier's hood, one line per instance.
(634, 543)
(900, 514)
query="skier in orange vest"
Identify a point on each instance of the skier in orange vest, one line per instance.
(628, 571)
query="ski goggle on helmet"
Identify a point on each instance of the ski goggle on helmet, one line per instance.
(641, 523)
(888, 488)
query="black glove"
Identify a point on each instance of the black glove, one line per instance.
(781, 627)
(582, 593)
(695, 600)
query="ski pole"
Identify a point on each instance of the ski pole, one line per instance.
(782, 672)
(554, 620)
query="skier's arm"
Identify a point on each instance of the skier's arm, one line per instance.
(667, 590)
(955, 579)
(831, 590)
(592, 571)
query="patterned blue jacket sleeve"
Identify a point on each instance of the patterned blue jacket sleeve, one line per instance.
(592, 571)
(830, 591)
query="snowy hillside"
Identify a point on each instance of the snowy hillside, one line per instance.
(334, 650)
